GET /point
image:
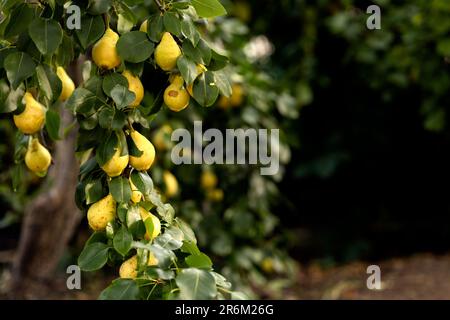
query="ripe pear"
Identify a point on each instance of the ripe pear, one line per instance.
(102, 212)
(156, 223)
(115, 166)
(208, 180)
(167, 52)
(135, 86)
(32, 118)
(67, 84)
(171, 184)
(104, 52)
(128, 269)
(136, 195)
(145, 161)
(175, 96)
(37, 158)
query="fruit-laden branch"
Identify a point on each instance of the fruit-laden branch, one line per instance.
(50, 220)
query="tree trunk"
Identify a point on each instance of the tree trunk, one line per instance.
(49, 220)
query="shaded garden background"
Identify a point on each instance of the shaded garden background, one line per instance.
(365, 115)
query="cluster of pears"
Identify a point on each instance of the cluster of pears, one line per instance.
(208, 182)
(31, 120)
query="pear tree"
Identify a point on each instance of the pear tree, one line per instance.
(112, 45)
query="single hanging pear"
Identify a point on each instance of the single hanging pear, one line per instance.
(147, 157)
(167, 52)
(176, 96)
(68, 86)
(101, 212)
(32, 118)
(37, 158)
(104, 52)
(115, 166)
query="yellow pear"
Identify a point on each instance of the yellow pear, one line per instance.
(67, 84)
(128, 269)
(208, 180)
(167, 52)
(156, 223)
(175, 96)
(101, 212)
(135, 86)
(171, 184)
(144, 26)
(104, 52)
(136, 195)
(37, 158)
(32, 118)
(115, 166)
(144, 162)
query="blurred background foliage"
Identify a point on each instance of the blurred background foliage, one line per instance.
(363, 131)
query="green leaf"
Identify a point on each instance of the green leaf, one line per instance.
(52, 124)
(135, 47)
(97, 7)
(155, 27)
(106, 149)
(168, 242)
(192, 52)
(94, 191)
(120, 189)
(190, 247)
(218, 61)
(19, 66)
(122, 241)
(13, 99)
(92, 28)
(208, 8)
(172, 23)
(82, 101)
(188, 69)
(111, 80)
(196, 284)
(49, 82)
(222, 82)
(46, 35)
(142, 181)
(122, 96)
(93, 257)
(121, 289)
(20, 19)
(201, 261)
(96, 237)
(65, 53)
(205, 51)
(126, 19)
(158, 273)
(189, 30)
(205, 90)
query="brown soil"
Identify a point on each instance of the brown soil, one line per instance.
(422, 276)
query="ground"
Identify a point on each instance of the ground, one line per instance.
(422, 276)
